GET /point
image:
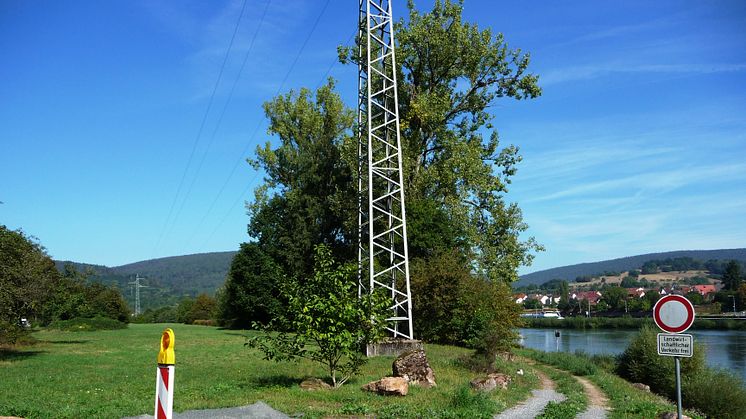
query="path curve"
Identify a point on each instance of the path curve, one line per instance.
(598, 404)
(536, 404)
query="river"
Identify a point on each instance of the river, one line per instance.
(723, 348)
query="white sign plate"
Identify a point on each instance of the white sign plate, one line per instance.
(675, 344)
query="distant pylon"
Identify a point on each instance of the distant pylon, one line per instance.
(383, 258)
(136, 284)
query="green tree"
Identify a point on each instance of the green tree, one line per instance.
(615, 297)
(308, 197)
(451, 74)
(329, 322)
(204, 308)
(532, 304)
(250, 293)
(27, 280)
(732, 276)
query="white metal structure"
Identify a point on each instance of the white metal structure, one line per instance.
(382, 255)
(136, 284)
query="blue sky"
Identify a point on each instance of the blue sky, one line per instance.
(637, 145)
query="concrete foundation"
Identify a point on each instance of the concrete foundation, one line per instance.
(392, 347)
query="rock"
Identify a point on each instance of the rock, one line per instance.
(491, 382)
(671, 415)
(413, 366)
(519, 372)
(641, 386)
(313, 384)
(389, 386)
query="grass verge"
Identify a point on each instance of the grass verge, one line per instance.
(576, 401)
(111, 373)
(625, 400)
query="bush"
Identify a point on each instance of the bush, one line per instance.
(81, 324)
(716, 393)
(204, 322)
(640, 363)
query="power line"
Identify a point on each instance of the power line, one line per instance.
(256, 129)
(220, 120)
(199, 133)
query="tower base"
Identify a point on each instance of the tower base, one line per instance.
(392, 347)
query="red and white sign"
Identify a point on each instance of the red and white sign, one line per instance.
(673, 314)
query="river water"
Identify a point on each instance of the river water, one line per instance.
(723, 348)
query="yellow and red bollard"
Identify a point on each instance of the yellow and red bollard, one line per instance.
(164, 382)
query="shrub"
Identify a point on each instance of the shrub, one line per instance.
(81, 324)
(640, 363)
(209, 322)
(716, 393)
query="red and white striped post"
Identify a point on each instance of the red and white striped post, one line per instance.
(164, 381)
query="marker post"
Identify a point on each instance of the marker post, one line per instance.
(164, 381)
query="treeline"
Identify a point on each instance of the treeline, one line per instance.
(200, 310)
(34, 292)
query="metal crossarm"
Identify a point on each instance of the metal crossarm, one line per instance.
(383, 260)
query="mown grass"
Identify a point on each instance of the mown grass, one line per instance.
(111, 374)
(625, 400)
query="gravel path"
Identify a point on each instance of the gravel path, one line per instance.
(536, 404)
(533, 406)
(598, 404)
(258, 410)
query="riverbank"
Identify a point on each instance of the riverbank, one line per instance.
(627, 323)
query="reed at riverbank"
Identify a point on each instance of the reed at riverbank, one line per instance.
(627, 323)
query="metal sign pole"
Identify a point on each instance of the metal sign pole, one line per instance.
(678, 385)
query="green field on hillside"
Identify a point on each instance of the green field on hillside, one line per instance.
(111, 374)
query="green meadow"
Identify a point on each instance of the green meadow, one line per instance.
(111, 374)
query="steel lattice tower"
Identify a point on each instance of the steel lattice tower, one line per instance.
(382, 236)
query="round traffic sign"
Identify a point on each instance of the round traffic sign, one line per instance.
(673, 313)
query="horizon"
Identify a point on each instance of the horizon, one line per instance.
(125, 125)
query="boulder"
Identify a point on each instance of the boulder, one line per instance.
(313, 384)
(389, 386)
(413, 366)
(491, 382)
(641, 386)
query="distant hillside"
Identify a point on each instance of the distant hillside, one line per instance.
(202, 272)
(168, 279)
(624, 264)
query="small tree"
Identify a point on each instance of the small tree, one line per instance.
(326, 322)
(732, 276)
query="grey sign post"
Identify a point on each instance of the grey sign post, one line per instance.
(675, 314)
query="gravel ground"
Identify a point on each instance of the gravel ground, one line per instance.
(533, 406)
(258, 410)
(593, 412)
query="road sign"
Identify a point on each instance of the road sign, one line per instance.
(675, 344)
(673, 314)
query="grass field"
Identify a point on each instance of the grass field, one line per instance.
(111, 374)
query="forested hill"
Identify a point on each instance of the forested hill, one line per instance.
(203, 272)
(168, 279)
(624, 264)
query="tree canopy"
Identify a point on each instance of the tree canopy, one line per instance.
(456, 174)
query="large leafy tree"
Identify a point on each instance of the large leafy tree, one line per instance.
(451, 73)
(308, 197)
(250, 293)
(456, 174)
(27, 277)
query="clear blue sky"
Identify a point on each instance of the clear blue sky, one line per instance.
(637, 145)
